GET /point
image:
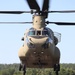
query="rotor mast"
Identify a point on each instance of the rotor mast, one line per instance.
(38, 21)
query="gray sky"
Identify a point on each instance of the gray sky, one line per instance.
(10, 35)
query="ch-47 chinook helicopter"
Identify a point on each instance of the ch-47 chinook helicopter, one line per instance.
(39, 49)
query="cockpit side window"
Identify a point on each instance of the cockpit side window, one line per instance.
(45, 32)
(31, 33)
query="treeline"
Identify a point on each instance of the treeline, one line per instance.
(12, 69)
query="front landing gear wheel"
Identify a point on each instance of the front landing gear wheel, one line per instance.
(57, 68)
(20, 67)
(23, 68)
(24, 72)
(56, 72)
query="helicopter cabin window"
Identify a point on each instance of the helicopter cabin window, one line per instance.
(31, 33)
(38, 32)
(45, 32)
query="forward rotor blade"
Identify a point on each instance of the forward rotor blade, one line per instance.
(14, 22)
(33, 4)
(45, 7)
(61, 23)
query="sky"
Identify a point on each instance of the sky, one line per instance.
(11, 34)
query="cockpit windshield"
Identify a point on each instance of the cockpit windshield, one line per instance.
(33, 32)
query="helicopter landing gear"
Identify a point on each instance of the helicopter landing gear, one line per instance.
(40, 64)
(20, 67)
(57, 68)
(23, 68)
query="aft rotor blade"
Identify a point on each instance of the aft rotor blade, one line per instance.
(63, 11)
(14, 22)
(45, 8)
(33, 4)
(61, 23)
(12, 12)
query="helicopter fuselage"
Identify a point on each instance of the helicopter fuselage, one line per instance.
(39, 49)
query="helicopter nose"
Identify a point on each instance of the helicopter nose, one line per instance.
(39, 41)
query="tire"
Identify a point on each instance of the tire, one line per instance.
(57, 67)
(20, 67)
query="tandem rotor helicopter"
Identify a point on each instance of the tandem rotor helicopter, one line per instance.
(39, 49)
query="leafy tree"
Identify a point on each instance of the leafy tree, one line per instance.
(12, 69)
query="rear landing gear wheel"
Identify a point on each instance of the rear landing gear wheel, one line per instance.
(57, 68)
(20, 67)
(56, 72)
